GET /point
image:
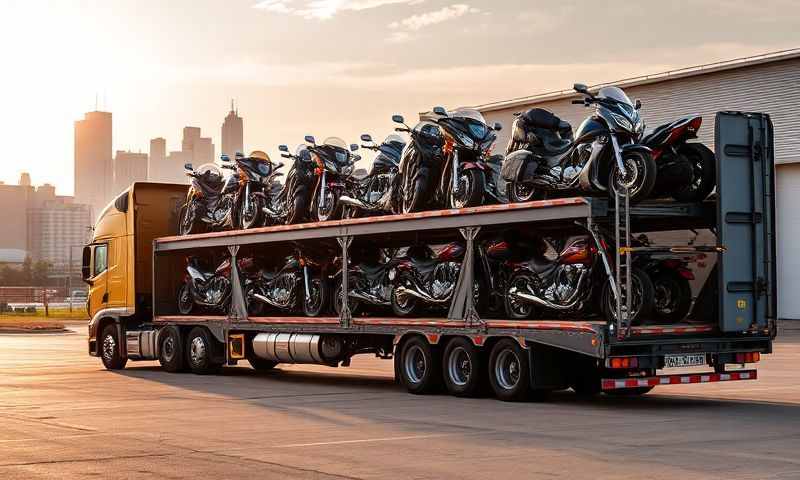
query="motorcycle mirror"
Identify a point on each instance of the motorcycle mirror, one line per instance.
(638, 104)
(439, 111)
(239, 155)
(188, 166)
(497, 126)
(353, 147)
(224, 158)
(283, 148)
(398, 119)
(310, 139)
(366, 137)
(580, 88)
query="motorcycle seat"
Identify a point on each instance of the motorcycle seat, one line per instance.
(541, 265)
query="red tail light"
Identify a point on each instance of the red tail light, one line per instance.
(622, 362)
(694, 125)
(748, 357)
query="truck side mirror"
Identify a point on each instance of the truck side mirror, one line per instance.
(86, 263)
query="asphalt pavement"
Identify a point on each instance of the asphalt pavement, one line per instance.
(63, 416)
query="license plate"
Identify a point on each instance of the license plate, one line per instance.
(689, 360)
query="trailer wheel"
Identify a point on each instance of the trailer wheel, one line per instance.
(202, 352)
(463, 368)
(170, 351)
(420, 366)
(509, 371)
(109, 349)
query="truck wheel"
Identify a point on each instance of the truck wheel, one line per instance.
(202, 352)
(509, 371)
(170, 351)
(420, 366)
(463, 368)
(109, 349)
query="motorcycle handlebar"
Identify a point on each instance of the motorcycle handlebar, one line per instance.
(578, 102)
(286, 155)
(402, 129)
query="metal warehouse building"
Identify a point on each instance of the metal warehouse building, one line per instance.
(767, 83)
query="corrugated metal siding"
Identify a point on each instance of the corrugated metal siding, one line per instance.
(773, 88)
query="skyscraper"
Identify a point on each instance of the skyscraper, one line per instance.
(197, 149)
(129, 167)
(157, 169)
(93, 161)
(232, 133)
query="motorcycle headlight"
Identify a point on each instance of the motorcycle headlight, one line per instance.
(621, 121)
(330, 166)
(464, 139)
(478, 130)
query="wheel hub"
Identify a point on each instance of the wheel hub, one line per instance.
(197, 350)
(109, 347)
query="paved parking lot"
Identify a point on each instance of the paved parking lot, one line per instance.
(63, 416)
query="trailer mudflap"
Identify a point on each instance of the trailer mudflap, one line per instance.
(677, 379)
(746, 220)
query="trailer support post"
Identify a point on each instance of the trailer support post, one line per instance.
(238, 308)
(462, 306)
(346, 315)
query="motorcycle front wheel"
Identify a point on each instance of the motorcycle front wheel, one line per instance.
(329, 208)
(403, 305)
(185, 301)
(470, 190)
(188, 219)
(353, 302)
(639, 178)
(314, 301)
(704, 173)
(411, 194)
(251, 213)
(519, 192)
(642, 298)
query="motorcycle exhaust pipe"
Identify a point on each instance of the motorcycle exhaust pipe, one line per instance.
(403, 291)
(531, 298)
(368, 298)
(353, 202)
(269, 301)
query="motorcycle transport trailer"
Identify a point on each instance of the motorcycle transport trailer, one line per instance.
(461, 350)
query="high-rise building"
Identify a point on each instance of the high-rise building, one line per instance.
(129, 167)
(157, 168)
(93, 161)
(199, 150)
(232, 133)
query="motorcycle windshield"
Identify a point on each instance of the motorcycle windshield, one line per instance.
(614, 93)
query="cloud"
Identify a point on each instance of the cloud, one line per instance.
(422, 20)
(325, 9)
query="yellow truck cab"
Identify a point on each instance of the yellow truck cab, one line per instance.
(117, 264)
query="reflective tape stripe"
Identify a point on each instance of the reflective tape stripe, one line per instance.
(617, 383)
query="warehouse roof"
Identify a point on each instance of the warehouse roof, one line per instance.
(647, 79)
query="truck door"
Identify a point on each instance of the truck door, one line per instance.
(95, 273)
(117, 280)
(746, 220)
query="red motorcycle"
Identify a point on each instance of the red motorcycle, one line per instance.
(211, 289)
(686, 171)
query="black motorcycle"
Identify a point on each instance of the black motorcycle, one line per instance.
(543, 159)
(299, 280)
(211, 289)
(210, 200)
(445, 163)
(686, 171)
(372, 194)
(333, 164)
(288, 204)
(368, 281)
(425, 278)
(671, 277)
(260, 182)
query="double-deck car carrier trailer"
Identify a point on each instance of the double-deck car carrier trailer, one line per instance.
(461, 350)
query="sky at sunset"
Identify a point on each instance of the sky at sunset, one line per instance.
(329, 67)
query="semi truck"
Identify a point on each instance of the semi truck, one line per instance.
(135, 264)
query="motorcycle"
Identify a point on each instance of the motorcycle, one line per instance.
(367, 280)
(373, 193)
(334, 163)
(423, 277)
(671, 277)
(445, 163)
(299, 279)
(686, 171)
(230, 202)
(289, 204)
(206, 288)
(543, 158)
(557, 278)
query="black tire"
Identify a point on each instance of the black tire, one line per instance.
(672, 297)
(519, 192)
(641, 176)
(642, 286)
(473, 182)
(407, 306)
(255, 307)
(296, 212)
(314, 306)
(202, 352)
(170, 352)
(254, 216)
(109, 350)
(509, 371)
(628, 392)
(187, 220)
(704, 172)
(185, 300)
(420, 366)
(337, 298)
(334, 214)
(261, 364)
(517, 309)
(463, 368)
(412, 193)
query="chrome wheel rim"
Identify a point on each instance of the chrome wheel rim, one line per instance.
(109, 347)
(507, 369)
(313, 300)
(522, 192)
(415, 364)
(185, 303)
(249, 212)
(636, 301)
(632, 178)
(325, 206)
(188, 218)
(197, 350)
(459, 366)
(168, 349)
(458, 199)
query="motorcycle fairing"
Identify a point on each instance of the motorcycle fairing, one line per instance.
(661, 134)
(518, 165)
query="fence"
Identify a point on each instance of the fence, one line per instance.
(37, 301)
